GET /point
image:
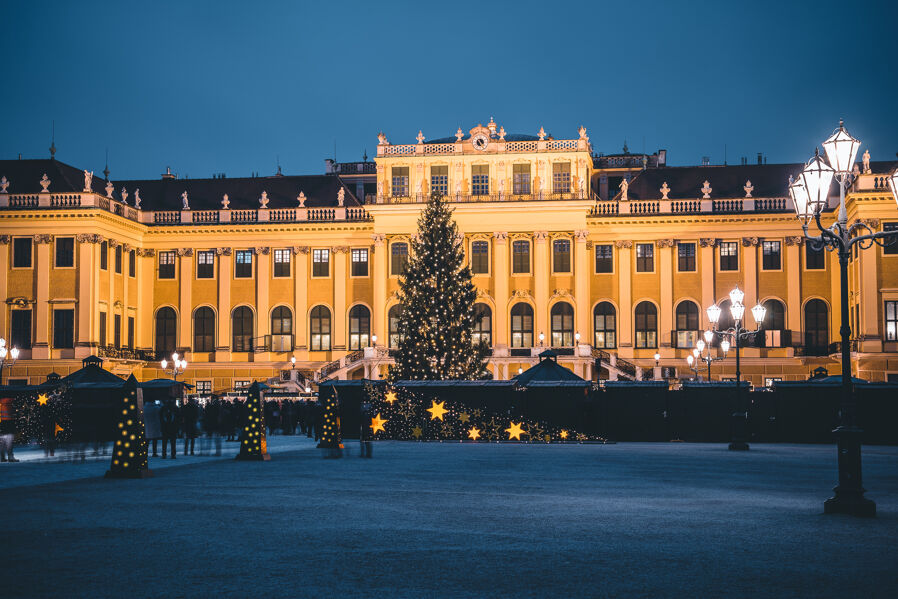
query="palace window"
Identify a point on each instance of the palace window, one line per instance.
(604, 259)
(393, 317)
(360, 262)
(771, 255)
(167, 265)
(166, 322)
(242, 329)
(101, 325)
(561, 177)
(320, 329)
(203, 388)
(117, 330)
(562, 321)
(645, 257)
(20, 329)
(130, 332)
(774, 323)
(104, 255)
(729, 255)
(816, 327)
(205, 265)
(321, 263)
(483, 325)
(686, 257)
(118, 259)
(480, 257)
(281, 329)
(480, 179)
(605, 320)
(359, 327)
(687, 324)
(814, 259)
(646, 324)
(891, 314)
(890, 248)
(439, 180)
(65, 253)
(520, 256)
(204, 329)
(132, 263)
(400, 181)
(64, 328)
(282, 263)
(21, 252)
(520, 182)
(561, 255)
(398, 257)
(243, 265)
(521, 325)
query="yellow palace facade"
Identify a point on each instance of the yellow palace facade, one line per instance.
(610, 260)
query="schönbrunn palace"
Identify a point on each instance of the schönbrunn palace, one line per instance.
(609, 259)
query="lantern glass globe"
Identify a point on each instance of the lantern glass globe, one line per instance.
(736, 295)
(758, 313)
(800, 200)
(841, 150)
(164, 363)
(700, 346)
(14, 353)
(690, 359)
(2, 352)
(725, 346)
(709, 336)
(738, 311)
(713, 313)
(817, 177)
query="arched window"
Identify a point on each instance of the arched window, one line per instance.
(282, 329)
(687, 324)
(320, 329)
(242, 329)
(483, 324)
(726, 316)
(166, 323)
(204, 330)
(562, 325)
(605, 320)
(816, 327)
(393, 317)
(646, 325)
(521, 325)
(775, 318)
(359, 327)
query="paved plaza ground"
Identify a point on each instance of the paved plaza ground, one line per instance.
(455, 520)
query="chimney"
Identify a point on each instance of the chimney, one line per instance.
(706, 161)
(662, 157)
(168, 174)
(760, 159)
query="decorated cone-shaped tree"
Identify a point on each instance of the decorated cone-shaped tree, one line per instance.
(253, 443)
(437, 298)
(129, 455)
(331, 435)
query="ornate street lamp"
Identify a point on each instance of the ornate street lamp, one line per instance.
(841, 151)
(8, 357)
(700, 346)
(737, 333)
(175, 367)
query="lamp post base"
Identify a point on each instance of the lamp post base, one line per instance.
(738, 446)
(856, 505)
(849, 493)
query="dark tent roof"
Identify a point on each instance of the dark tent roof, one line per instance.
(548, 370)
(92, 375)
(454, 383)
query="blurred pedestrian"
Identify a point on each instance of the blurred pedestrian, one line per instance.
(189, 415)
(152, 422)
(170, 417)
(7, 429)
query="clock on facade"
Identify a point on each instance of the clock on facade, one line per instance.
(480, 141)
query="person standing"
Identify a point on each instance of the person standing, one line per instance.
(189, 415)
(367, 433)
(170, 417)
(152, 422)
(7, 429)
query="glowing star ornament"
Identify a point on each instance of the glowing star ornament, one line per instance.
(563, 434)
(58, 429)
(515, 431)
(390, 397)
(464, 417)
(437, 410)
(417, 432)
(474, 433)
(42, 399)
(377, 424)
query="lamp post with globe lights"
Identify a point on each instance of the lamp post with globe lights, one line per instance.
(8, 357)
(737, 333)
(810, 195)
(175, 367)
(699, 355)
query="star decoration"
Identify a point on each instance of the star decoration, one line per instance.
(548, 438)
(377, 424)
(390, 397)
(563, 434)
(464, 417)
(58, 430)
(417, 432)
(477, 413)
(437, 410)
(515, 431)
(42, 399)
(474, 433)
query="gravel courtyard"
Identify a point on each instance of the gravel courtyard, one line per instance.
(449, 519)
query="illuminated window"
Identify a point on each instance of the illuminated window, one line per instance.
(282, 263)
(646, 324)
(729, 255)
(400, 181)
(562, 317)
(393, 317)
(398, 257)
(320, 329)
(561, 255)
(520, 256)
(166, 265)
(359, 262)
(891, 314)
(243, 268)
(520, 183)
(359, 327)
(604, 259)
(205, 265)
(480, 179)
(321, 263)
(480, 257)
(605, 318)
(686, 257)
(771, 255)
(439, 180)
(483, 324)
(521, 325)
(561, 177)
(687, 324)
(645, 257)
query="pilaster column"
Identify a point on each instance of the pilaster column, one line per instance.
(146, 273)
(750, 271)
(301, 300)
(665, 263)
(263, 280)
(793, 286)
(581, 284)
(5, 241)
(709, 291)
(868, 331)
(500, 284)
(223, 340)
(41, 346)
(340, 254)
(625, 314)
(541, 285)
(87, 301)
(185, 306)
(379, 313)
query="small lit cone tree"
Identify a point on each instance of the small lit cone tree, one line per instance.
(437, 299)
(129, 455)
(331, 436)
(253, 443)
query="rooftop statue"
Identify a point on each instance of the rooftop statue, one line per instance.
(867, 162)
(381, 139)
(124, 195)
(263, 201)
(45, 183)
(88, 180)
(341, 196)
(184, 204)
(4, 183)
(624, 187)
(225, 202)
(301, 198)
(137, 198)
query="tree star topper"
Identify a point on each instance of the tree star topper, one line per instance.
(436, 410)
(377, 424)
(515, 431)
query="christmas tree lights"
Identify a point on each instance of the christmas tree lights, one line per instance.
(253, 442)
(129, 454)
(331, 435)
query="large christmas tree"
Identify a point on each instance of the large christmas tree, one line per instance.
(437, 299)
(129, 456)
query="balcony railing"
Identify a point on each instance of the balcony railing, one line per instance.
(125, 353)
(420, 198)
(617, 207)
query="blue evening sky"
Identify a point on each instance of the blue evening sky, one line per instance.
(208, 87)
